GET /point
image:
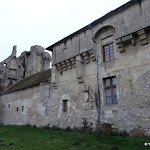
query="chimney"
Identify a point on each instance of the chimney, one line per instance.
(14, 51)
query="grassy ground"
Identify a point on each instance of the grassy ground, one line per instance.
(29, 138)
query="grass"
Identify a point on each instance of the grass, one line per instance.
(29, 138)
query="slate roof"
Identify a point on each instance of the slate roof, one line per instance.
(30, 81)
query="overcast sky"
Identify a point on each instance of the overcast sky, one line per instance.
(43, 22)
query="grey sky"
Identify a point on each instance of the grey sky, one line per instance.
(43, 22)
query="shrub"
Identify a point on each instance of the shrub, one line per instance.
(28, 125)
(55, 128)
(68, 129)
(123, 133)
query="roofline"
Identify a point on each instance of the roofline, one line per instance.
(122, 7)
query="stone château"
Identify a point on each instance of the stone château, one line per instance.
(100, 74)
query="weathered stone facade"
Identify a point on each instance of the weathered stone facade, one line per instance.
(122, 41)
(13, 68)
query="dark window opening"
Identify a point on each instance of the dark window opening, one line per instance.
(111, 90)
(64, 105)
(17, 108)
(108, 52)
(22, 108)
(24, 74)
(65, 45)
(9, 106)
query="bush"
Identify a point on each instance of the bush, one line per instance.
(123, 133)
(28, 125)
(68, 129)
(55, 128)
(34, 126)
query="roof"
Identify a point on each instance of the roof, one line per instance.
(131, 2)
(29, 82)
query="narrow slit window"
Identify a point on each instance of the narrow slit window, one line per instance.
(64, 106)
(22, 108)
(17, 109)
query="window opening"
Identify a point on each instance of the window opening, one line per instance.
(111, 90)
(108, 52)
(22, 108)
(64, 105)
(5, 64)
(65, 45)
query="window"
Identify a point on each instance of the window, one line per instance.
(65, 45)
(108, 52)
(17, 108)
(64, 105)
(22, 108)
(5, 64)
(111, 90)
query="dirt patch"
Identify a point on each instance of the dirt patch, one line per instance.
(11, 144)
(102, 147)
(114, 148)
(139, 148)
(76, 143)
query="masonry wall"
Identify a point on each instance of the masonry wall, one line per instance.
(29, 106)
(129, 31)
(74, 72)
(81, 98)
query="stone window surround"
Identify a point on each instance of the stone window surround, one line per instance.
(109, 50)
(65, 105)
(107, 40)
(104, 76)
(110, 87)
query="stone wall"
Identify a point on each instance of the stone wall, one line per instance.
(71, 99)
(74, 68)
(29, 106)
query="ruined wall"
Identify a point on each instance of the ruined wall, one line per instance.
(13, 68)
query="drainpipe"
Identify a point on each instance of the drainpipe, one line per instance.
(97, 73)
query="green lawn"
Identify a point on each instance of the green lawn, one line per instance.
(29, 138)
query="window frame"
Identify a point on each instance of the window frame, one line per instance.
(65, 105)
(108, 44)
(111, 86)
